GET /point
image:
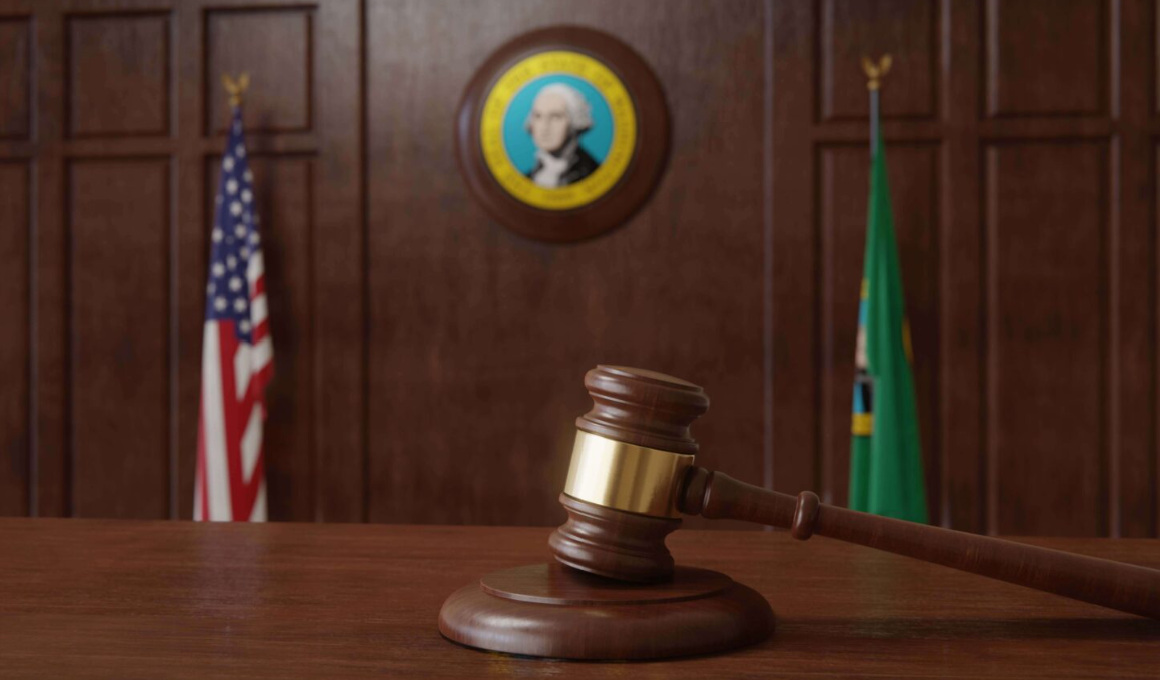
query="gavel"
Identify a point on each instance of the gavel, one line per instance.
(632, 476)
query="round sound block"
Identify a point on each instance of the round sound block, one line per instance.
(555, 611)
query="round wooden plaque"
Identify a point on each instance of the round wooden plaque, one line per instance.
(549, 610)
(562, 133)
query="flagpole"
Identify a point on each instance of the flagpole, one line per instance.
(875, 72)
(237, 350)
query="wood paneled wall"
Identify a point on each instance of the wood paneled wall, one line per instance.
(111, 116)
(1021, 141)
(429, 363)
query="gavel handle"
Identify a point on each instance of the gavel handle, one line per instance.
(1125, 587)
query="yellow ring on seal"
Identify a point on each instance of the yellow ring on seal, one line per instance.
(495, 108)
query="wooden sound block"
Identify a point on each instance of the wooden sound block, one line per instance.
(551, 610)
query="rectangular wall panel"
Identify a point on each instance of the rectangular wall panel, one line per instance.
(275, 47)
(907, 30)
(843, 182)
(118, 236)
(15, 354)
(283, 195)
(15, 77)
(1047, 297)
(1047, 57)
(118, 75)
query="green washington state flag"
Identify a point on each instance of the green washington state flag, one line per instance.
(885, 459)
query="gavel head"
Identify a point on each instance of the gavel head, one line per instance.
(631, 456)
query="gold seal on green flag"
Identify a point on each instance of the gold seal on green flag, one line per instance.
(886, 459)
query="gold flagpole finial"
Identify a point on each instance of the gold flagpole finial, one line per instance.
(236, 88)
(876, 72)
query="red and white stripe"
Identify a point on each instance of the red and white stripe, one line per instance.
(231, 483)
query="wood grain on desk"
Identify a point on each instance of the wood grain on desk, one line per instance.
(155, 599)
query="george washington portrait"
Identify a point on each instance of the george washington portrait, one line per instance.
(559, 116)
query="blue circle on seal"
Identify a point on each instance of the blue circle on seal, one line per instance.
(517, 140)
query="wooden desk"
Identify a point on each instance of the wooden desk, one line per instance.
(157, 599)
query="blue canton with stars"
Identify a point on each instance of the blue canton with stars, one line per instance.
(235, 238)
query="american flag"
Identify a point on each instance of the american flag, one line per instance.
(237, 354)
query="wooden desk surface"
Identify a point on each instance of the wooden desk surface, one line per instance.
(84, 598)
